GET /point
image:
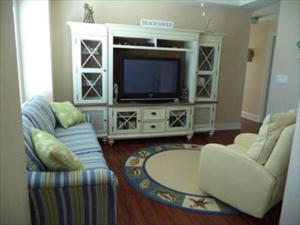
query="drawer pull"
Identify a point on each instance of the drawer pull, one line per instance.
(153, 113)
(153, 126)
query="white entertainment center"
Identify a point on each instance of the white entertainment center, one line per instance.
(94, 51)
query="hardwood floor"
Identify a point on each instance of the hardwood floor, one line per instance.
(136, 209)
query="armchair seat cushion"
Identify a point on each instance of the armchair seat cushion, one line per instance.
(82, 141)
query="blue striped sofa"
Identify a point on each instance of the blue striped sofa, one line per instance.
(85, 197)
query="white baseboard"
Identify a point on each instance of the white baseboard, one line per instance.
(250, 116)
(228, 126)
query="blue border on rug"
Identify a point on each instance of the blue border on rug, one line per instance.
(135, 182)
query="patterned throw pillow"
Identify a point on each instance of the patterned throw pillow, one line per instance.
(54, 154)
(66, 113)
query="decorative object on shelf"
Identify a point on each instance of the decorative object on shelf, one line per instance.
(157, 23)
(250, 54)
(201, 81)
(116, 92)
(184, 95)
(88, 14)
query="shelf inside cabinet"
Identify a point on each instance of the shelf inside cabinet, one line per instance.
(128, 41)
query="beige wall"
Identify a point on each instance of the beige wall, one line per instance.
(286, 96)
(256, 71)
(14, 203)
(229, 20)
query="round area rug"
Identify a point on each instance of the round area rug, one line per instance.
(168, 174)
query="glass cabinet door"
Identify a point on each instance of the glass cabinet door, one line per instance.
(127, 121)
(91, 53)
(91, 70)
(206, 72)
(91, 85)
(178, 119)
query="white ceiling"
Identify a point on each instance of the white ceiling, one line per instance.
(228, 2)
(244, 4)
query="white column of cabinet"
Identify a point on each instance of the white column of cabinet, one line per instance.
(89, 65)
(207, 82)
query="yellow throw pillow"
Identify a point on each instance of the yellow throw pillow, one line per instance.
(268, 135)
(66, 113)
(54, 154)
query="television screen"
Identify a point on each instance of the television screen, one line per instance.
(150, 78)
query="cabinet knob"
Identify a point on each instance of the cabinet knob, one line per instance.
(153, 113)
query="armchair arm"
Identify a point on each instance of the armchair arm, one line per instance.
(235, 179)
(245, 140)
(75, 197)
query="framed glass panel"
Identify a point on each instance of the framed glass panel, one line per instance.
(91, 86)
(91, 54)
(127, 120)
(178, 118)
(204, 86)
(206, 58)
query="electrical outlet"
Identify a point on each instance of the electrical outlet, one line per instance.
(282, 78)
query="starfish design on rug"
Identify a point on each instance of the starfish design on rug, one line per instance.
(200, 202)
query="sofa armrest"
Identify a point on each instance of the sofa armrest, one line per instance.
(245, 140)
(75, 197)
(235, 179)
(87, 117)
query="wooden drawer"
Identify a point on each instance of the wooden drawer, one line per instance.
(154, 114)
(154, 127)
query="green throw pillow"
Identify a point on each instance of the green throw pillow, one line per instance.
(54, 154)
(66, 113)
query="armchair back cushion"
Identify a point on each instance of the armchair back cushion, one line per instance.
(278, 161)
(268, 135)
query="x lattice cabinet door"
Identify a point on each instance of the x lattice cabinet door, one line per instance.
(178, 118)
(207, 71)
(126, 121)
(91, 70)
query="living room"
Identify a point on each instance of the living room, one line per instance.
(149, 85)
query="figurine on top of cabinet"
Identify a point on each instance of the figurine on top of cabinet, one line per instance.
(88, 14)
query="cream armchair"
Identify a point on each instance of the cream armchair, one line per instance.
(229, 174)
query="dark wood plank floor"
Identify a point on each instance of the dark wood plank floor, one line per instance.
(136, 209)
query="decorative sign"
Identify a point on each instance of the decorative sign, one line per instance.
(157, 23)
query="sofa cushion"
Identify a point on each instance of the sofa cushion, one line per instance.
(268, 135)
(39, 112)
(54, 154)
(82, 141)
(33, 163)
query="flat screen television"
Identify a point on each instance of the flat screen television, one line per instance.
(144, 78)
